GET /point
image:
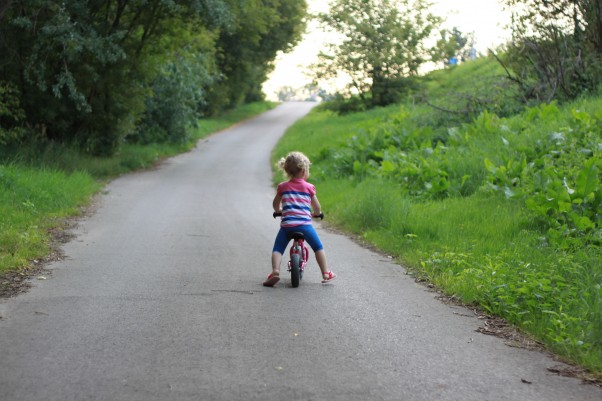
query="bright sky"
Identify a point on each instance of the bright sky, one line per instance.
(483, 17)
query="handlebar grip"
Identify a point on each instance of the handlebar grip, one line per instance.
(277, 214)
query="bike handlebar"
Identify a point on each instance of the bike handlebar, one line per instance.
(315, 216)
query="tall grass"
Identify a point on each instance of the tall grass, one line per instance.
(50, 155)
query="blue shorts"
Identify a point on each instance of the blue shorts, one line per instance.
(311, 237)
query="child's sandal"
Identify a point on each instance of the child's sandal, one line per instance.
(272, 280)
(328, 277)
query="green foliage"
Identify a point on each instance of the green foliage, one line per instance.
(384, 44)
(455, 45)
(30, 202)
(538, 294)
(406, 152)
(557, 48)
(11, 114)
(177, 92)
(246, 50)
(92, 74)
(502, 211)
(559, 177)
(461, 94)
(341, 105)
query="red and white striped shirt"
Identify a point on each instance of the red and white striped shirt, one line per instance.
(296, 202)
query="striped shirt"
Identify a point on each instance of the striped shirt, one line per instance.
(296, 202)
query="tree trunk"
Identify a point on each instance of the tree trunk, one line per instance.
(597, 25)
(378, 86)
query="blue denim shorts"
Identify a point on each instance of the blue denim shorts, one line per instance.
(311, 237)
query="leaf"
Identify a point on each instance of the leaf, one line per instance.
(582, 223)
(490, 166)
(508, 192)
(387, 166)
(588, 180)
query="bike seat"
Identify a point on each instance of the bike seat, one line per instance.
(296, 235)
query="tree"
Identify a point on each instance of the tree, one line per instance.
(383, 45)
(95, 72)
(556, 52)
(455, 45)
(178, 90)
(83, 69)
(245, 52)
(286, 93)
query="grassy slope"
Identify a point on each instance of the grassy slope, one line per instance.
(482, 247)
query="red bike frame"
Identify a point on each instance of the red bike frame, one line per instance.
(299, 247)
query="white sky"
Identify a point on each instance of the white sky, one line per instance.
(483, 17)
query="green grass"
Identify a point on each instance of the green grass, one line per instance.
(31, 202)
(317, 129)
(472, 243)
(40, 185)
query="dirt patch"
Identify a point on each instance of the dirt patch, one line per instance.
(492, 325)
(498, 327)
(578, 372)
(13, 283)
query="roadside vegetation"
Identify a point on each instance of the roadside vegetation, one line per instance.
(500, 209)
(483, 178)
(40, 186)
(89, 91)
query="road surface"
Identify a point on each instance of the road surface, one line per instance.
(160, 298)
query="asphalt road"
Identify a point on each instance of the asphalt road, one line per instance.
(160, 298)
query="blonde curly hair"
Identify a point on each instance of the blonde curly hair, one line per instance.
(294, 164)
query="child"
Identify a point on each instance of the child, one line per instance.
(297, 198)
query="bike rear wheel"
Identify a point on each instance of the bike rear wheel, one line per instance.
(295, 269)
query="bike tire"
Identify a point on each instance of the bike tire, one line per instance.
(295, 269)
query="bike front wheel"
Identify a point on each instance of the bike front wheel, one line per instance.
(295, 269)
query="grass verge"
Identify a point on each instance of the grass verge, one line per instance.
(482, 248)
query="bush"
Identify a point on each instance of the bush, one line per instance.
(11, 115)
(342, 105)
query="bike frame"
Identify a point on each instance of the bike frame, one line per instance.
(300, 248)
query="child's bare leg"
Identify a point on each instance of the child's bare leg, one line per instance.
(275, 276)
(276, 259)
(327, 275)
(321, 258)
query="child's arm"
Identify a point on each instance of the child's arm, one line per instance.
(315, 205)
(276, 203)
